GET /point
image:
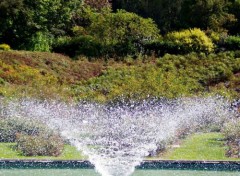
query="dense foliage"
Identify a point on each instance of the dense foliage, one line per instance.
(10, 127)
(217, 15)
(22, 20)
(232, 134)
(40, 145)
(109, 35)
(193, 40)
(46, 75)
(171, 76)
(90, 28)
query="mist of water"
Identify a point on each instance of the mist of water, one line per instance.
(116, 137)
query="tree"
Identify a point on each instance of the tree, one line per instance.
(121, 27)
(97, 4)
(235, 9)
(21, 19)
(182, 14)
(212, 14)
(164, 13)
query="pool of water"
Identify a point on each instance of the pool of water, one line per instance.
(91, 172)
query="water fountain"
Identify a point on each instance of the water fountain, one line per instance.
(117, 136)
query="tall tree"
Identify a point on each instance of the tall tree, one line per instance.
(21, 19)
(235, 9)
(212, 14)
(179, 14)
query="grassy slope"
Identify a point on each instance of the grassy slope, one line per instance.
(209, 146)
(50, 75)
(57, 65)
(70, 153)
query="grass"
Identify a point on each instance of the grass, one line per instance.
(70, 153)
(200, 146)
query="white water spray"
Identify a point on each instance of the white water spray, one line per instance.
(117, 137)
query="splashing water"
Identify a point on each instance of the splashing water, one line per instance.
(116, 138)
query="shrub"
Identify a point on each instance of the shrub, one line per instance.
(4, 47)
(193, 40)
(232, 130)
(40, 42)
(232, 43)
(127, 27)
(160, 48)
(9, 127)
(98, 39)
(81, 45)
(40, 145)
(232, 134)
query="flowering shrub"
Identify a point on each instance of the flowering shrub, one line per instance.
(191, 40)
(40, 145)
(5, 47)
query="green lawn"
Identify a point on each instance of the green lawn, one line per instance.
(70, 153)
(202, 146)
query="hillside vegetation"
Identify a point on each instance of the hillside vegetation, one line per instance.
(50, 75)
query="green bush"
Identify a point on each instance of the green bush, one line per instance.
(40, 145)
(40, 42)
(9, 127)
(232, 43)
(98, 39)
(121, 27)
(5, 47)
(172, 76)
(81, 45)
(232, 130)
(162, 47)
(191, 40)
(232, 134)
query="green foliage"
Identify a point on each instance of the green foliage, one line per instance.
(235, 10)
(232, 134)
(232, 130)
(172, 76)
(40, 145)
(10, 127)
(217, 15)
(108, 35)
(165, 14)
(113, 34)
(40, 42)
(206, 69)
(54, 76)
(161, 47)
(191, 40)
(213, 14)
(97, 4)
(81, 45)
(5, 47)
(232, 43)
(21, 20)
(127, 26)
(137, 83)
(42, 74)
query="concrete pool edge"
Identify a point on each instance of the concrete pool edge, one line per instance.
(146, 164)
